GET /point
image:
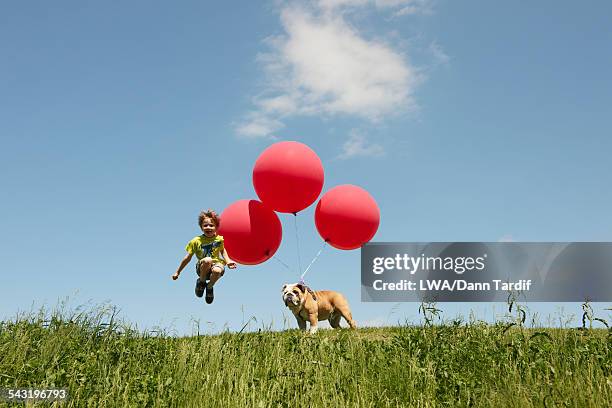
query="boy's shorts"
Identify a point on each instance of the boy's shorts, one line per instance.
(215, 264)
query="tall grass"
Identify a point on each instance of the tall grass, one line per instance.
(105, 363)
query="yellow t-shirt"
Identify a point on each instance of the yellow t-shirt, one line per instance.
(203, 246)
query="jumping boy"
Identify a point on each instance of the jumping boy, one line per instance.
(211, 255)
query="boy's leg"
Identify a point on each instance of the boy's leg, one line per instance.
(203, 268)
(216, 272)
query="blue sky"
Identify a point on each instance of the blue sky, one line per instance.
(467, 121)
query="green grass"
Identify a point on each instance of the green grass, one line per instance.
(107, 364)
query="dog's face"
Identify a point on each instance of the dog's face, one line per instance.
(294, 294)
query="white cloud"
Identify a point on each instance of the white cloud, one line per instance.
(409, 7)
(438, 53)
(322, 65)
(334, 70)
(257, 126)
(357, 146)
(403, 7)
(281, 104)
(332, 4)
(506, 238)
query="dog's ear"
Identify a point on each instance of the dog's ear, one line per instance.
(301, 287)
(284, 286)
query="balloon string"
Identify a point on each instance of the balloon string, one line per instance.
(281, 262)
(297, 242)
(313, 261)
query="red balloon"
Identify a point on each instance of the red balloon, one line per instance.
(288, 176)
(347, 217)
(252, 232)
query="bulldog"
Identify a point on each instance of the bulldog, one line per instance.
(310, 306)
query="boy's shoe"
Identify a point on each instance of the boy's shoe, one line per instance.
(199, 288)
(210, 294)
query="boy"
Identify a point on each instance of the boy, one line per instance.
(211, 254)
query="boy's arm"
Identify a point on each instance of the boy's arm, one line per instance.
(230, 264)
(183, 264)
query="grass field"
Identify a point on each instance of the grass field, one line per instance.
(106, 364)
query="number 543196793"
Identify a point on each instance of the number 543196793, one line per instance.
(33, 394)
